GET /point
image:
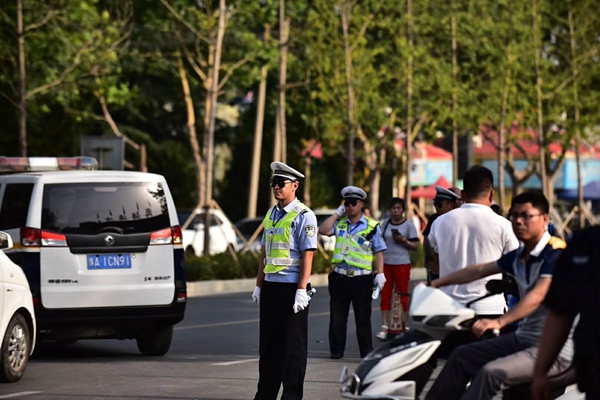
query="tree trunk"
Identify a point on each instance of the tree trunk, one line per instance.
(409, 93)
(284, 31)
(502, 141)
(307, 164)
(454, 105)
(22, 82)
(214, 92)
(538, 86)
(346, 13)
(576, 106)
(208, 84)
(258, 134)
(191, 129)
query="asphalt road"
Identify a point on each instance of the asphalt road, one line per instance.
(214, 355)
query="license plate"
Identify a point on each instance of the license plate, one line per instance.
(109, 261)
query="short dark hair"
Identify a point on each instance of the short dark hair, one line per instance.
(397, 200)
(477, 182)
(537, 200)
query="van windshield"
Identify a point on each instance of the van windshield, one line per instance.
(94, 208)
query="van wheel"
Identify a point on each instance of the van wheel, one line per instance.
(15, 350)
(155, 342)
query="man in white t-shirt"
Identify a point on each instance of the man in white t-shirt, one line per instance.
(473, 234)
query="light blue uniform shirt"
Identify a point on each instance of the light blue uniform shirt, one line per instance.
(303, 236)
(377, 242)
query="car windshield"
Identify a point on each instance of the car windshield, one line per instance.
(93, 208)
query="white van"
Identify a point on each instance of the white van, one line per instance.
(102, 250)
(17, 318)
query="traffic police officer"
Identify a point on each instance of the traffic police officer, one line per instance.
(574, 291)
(289, 241)
(445, 200)
(359, 245)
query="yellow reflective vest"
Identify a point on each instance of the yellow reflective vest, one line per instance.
(277, 240)
(354, 249)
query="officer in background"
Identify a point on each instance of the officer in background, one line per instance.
(289, 241)
(574, 290)
(445, 200)
(358, 245)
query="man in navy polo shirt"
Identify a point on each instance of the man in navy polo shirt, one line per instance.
(509, 359)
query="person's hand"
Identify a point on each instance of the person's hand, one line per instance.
(398, 238)
(301, 301)
(482, 325)
(434, 284)
(341, 211)
(380, 280)
(540, 388)
(256, 295)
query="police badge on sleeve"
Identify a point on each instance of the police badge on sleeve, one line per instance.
(310, 230)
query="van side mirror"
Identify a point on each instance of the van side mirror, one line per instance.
(497, 286)
(5, 241)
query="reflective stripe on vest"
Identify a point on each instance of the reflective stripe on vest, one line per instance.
(359, 253)
(277, 240)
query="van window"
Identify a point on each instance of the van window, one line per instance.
(94, 208)
(15, 205)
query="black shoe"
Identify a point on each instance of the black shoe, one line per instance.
(335, 356)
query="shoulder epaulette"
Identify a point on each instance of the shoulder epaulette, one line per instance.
(557, 243)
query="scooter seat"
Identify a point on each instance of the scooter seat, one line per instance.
(558, 384)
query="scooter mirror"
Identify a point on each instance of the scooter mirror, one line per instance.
(496, 286)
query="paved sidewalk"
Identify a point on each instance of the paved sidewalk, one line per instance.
(209, 288)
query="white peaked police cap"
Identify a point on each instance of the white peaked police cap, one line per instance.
(353, 192)
(285, 171)
(442, 193)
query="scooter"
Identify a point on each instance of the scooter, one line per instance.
(400, 369)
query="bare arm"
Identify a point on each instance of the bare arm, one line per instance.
(403, 241)
(379, 262)
(305, 268)
(326, 227)
(260, 277)
(468, 274)
(435, 263)
(527, 304)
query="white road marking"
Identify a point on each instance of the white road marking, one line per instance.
(19, 394)
(244, 321)
(237, 362)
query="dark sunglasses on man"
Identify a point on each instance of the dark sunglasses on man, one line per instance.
(351, 202)
(279, 182)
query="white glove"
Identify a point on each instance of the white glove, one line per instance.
(301, 300)
(380, 280)
(256, 295)
(341, 211)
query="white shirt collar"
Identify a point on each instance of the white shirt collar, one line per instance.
(289, 207)
(535, 252)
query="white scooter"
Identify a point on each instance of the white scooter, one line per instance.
(399, 369)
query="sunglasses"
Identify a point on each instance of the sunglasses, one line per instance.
(352, 203)
(279, 183)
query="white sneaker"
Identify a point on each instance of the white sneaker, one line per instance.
(383, 334)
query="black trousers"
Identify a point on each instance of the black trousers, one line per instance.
(283, 343)
(344, 291)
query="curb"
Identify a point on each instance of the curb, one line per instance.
(209, 288)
